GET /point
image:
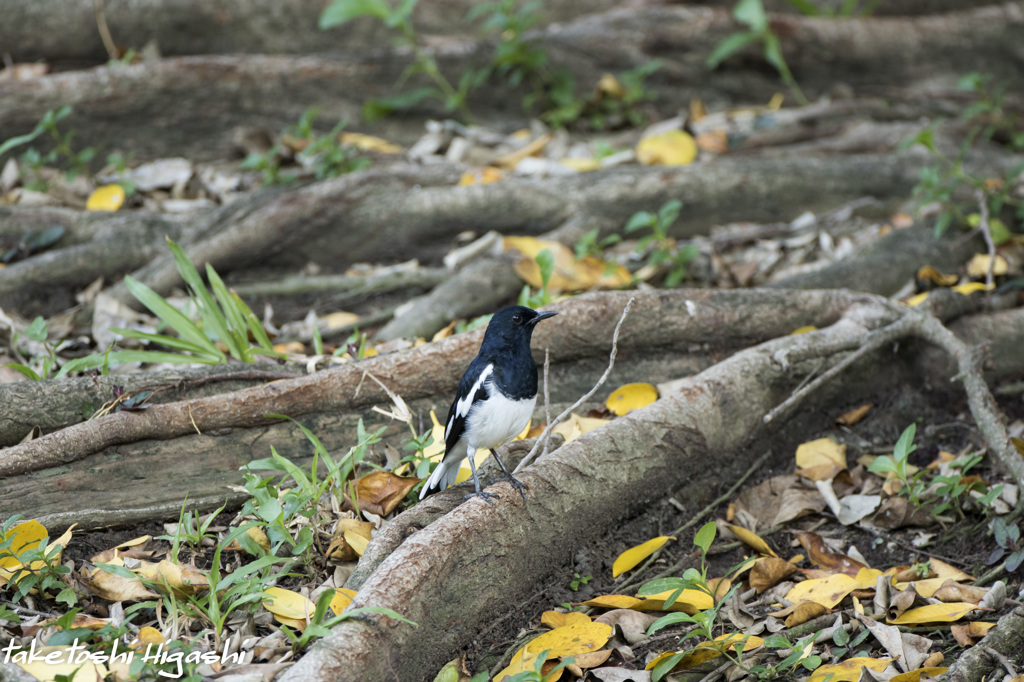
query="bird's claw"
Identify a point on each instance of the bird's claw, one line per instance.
(519, 486)
(485, 496)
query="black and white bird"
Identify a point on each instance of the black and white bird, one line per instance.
(495, 399)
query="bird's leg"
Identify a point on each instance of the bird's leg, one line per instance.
(514, 482)
(486, 497)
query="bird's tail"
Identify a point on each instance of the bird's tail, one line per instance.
(442, 477)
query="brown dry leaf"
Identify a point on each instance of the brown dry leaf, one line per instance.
(674, 148)
(822, 557)
(557, 619)
(379, 492)
(768, 572)
(715, 141)
(952, 591)
(897, 512)
(592, 659)
(340, 548)
(117, 588)
(184, 579)
(631, 623)
(804, 612)
(446, 332)
(777, 500)
(629, 397)
(855, 415)
(967, 634)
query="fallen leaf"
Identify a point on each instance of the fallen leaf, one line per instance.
(822, 557)
(930, 275)
(290, 608)
(804, 611)
(634, 555)
(855, 415)
(568, 640)
(803, 330)
(482, 176)
(752, 540)
(557, 619)
(51, 662)
(674, 148)
(575, 426)
(106, 198)
(369, 143)
(118, 588)
(820, 459)
(532, 148)
(768, 572)
(833, 589)
(916, 675)
(934, 613)
(978, 266)
(631, 623)
(569, 273)
(849, 670)
(341, 599)
(967, 634)
(380, 492)
(629, 397)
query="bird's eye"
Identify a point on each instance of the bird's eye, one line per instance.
(517, 318)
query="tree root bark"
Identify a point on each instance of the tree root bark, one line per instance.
(447, 576)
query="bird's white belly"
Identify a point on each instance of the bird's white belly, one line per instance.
(498, 419)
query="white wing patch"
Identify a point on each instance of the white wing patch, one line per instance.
(464, 404)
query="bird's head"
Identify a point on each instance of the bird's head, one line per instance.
(514, 323)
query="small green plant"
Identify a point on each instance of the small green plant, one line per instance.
(225, 318)
(590, 245)
(898, 466)
(751, 13)
(399, 17)
(579, 581)
(191, 530)
(320, 623)
(61, 152)
(325, 155)
(38, 566)
(658, 246)
(42, 366)
(33, 242)
(958, 191)
(1007, 536)
(546, 263)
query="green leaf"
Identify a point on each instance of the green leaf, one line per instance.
(37, 330)
(639, 220)
(670, 619)
(25, 370)
(212, 315)
(752, 14)
(729, 46)
(380, 107)
(942, 223)
(37, 241)
(665, 666)
(164, 340)
(124, 357)
(904, 446)
(400, 15)
(119, 571)
(170, 315)
(705, 536)
(668, 213)
(341, 11)
(659, 585)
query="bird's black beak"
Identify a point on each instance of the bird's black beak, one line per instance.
(543, 316)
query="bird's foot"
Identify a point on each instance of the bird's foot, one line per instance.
(519, 486)
(485, 496)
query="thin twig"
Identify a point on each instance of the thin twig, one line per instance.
(542, 440)
(986, 232)
(101, 25)
(1003, 660)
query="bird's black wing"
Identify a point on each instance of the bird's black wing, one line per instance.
(472, 389)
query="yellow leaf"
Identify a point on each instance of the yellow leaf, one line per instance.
(705, 651)
(147, 636)
(356, 541)
(917, 299)
(581, 165)
(341, 599)
(849, 670)
(931, 275)
(568, 640)
(65, 662)
(613, 601)
(338, 320)
(610, 85)
(803, 330)
(752, 540)
(530, 149)
(369, 143)
(674, 148)
(823, 451)
(916, 675)
(855, 415)
(825, 591)
(689, 601)
(106, 198)
(934, 613)
(629, 397)
(568, 274)
(287, 604)
(26, 535)
(634, 555)
(483, 176)
(557, 619)
(575, 426)
(116, 588)
(977, 267)
(465, 473)
(971, 287)
(436, 449)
